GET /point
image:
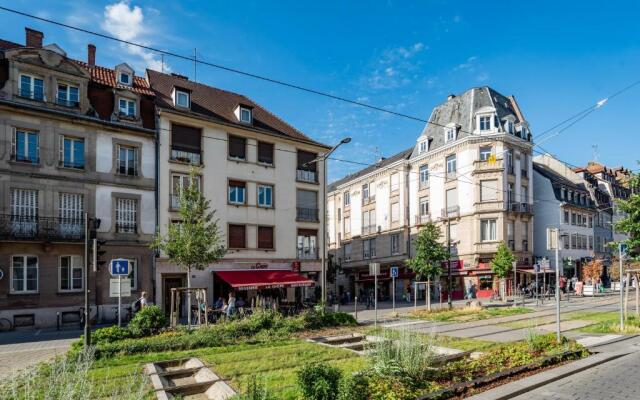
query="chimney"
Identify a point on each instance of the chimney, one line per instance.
(91, 55)
(33, 37)
(451, 96)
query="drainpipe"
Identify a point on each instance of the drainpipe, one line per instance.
(157, 202)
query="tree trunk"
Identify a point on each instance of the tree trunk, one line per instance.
(503, 289)
(429, 294)
(189, 297)
(626, 294)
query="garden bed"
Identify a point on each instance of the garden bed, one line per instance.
(467, 314)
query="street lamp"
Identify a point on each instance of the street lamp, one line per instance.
(323, 243)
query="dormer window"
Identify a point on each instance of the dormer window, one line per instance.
(127, 107)
(485, 122)
(124, 78)
(245, 115)
(423, 147)
(182, 99)
(450, 134)
(509, 127)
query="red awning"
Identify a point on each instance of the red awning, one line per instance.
(263, 279)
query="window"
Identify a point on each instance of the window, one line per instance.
(590, 242)
(524, 194)
(423, 147)
(68, 95)
(237, 148)
(307, 205)
(182, 99)
(179, 182)
(71, 152)
(488, 230)
(395, 243)
(574, 219)
(590, 225)
(25, 147)
(339, 214)
(186, 142)
(510, 161)
(265, 153)
(347, 225)
(525, 235)
(265, 196)
(424, 176)
(124, 78)
(365, 192)
(265, 237)
(395, 212)
(31, 87)
(563, 193)
(510, 233)
(424, 206)
(71, 213)
(489, 190)
(451, 165)
(449, 134)
(307, 244)
(24, 274)
(453, 232)
(347, 198)
(485, 122)
(245, 115)
(566, 217)
(237, 191)
(127, 160)
(485, 153)
(510, 193)
(368, 221)
(347, 251)
(452, 200)
(70, 277)
(369, 248)
(127, 107)
(126, 215)
(24, 212)
(237, 237)
(509, 127)
(395, 182)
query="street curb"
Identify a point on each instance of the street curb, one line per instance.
(616, 340)
(513, 389)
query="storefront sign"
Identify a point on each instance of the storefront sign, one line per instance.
(259, 266)
(295, 266)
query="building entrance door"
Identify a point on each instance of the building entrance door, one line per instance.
(169, 282)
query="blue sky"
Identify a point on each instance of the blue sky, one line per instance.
(556, 57)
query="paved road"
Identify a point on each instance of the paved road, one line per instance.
(22, 349)
(614, 380)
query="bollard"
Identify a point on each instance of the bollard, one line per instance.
(355, 308)
(58, 320)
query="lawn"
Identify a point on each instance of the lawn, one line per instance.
(464, 344)
(606, 322)
(468, 313)
(275, 364)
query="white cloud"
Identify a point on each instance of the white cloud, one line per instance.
(469, 65)
(395, 67)
(127, 22)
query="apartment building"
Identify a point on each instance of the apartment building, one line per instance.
(564, 202)
(614, 182)
(260, 176)
(469, 171)
(63, 132)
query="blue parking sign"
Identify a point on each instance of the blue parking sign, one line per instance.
(394, 272)
(119, 267)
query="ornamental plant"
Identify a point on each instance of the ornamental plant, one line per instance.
(502, 264)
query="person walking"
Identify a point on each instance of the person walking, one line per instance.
(231, 306)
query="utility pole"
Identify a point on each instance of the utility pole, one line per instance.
(557, 245)
(449, 286)
(620, 255)
(87, 329)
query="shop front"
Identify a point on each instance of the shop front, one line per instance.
(364, 283)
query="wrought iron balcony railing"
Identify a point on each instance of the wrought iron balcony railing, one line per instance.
(16, 227)
(306, 176)
(308, 253)
(307, 214)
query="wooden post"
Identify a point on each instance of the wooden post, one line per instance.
(206, 309)
(626, 295)
(172, 308)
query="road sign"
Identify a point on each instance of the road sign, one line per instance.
(119, 267)
(374, 269)
(114, 287)
(394, 272)
(623, 249)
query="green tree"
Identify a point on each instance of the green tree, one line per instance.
(429, 256)
(195, 241)
(502, 264)
(630, 223)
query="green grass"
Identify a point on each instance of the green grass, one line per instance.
(606, 322)
(468, 313)
(464, 344)
(274, 363)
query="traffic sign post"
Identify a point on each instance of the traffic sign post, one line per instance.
(622, 252)
(119, 267)
(374, 269)
(394, 275)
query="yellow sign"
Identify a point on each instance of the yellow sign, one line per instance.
(492, 159)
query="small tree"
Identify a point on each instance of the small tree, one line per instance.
(429, 256)
(194, 242)
(502, 264)
(593, 271)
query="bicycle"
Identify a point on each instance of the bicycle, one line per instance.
(5, 325)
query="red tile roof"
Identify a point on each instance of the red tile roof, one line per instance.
(219, 105)
(107, 77)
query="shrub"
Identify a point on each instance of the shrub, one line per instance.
(110, 334)
(316, 319)
(319, 382)
(148, 321)
(354, 387)
(403, 354)
(254, 390)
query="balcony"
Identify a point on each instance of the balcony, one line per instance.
(368, 200)
(524, 173)
(369, 229)
(520, 208)
(48, 229)
(451, 212)
(489, 206)
(510, 170)
(307, 253)
(487, 247)
(451, 176)
(303, 175)
(423, 219)
(512, 244)
(307, 214)
(487, 166)
(185, 157)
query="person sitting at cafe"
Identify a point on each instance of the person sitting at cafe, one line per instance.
(240, 302)
(219, 303)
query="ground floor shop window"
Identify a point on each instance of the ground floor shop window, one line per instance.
(485, 282)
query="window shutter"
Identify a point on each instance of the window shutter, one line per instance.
(305, 157)
(186, 138)
(237, 236)
(237, 147)
(265, 237)
(135, 161)
(265, 152)
(118, 148)
(61, 150)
